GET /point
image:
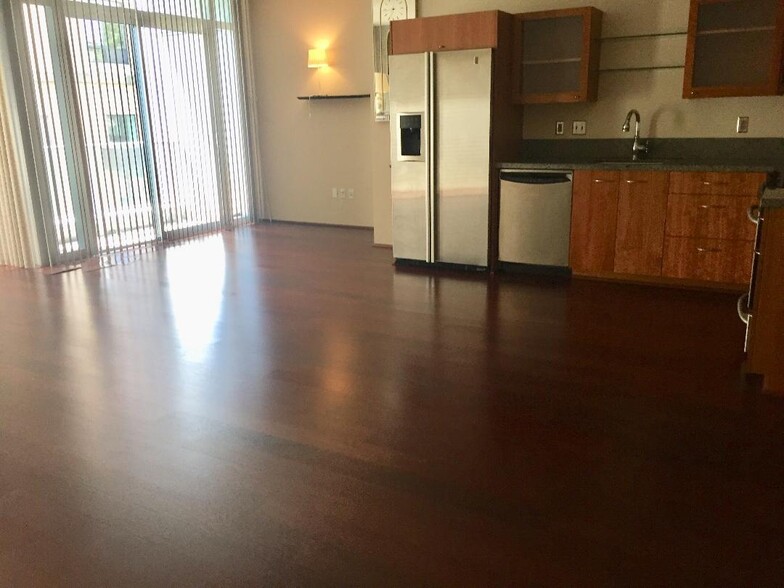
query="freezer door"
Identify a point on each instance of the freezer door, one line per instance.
(462, 152)
(411, 220)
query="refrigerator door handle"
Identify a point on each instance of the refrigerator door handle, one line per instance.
(430, 73)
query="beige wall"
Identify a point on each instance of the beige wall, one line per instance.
(286, 28)
(309, 148)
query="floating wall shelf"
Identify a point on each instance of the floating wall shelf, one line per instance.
(333, 96)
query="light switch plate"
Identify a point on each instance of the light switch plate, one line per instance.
(743, 124)
(579, 127)
(559, 127)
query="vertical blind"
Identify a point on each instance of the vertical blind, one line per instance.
(137, 111)
(17, 241)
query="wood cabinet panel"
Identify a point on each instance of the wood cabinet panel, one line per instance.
(766, 334)
(717, 183)
(594, 217)
(475, 30)
(713, 260)
(642, 214)
(710, 217)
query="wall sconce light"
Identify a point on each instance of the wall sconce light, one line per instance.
(317, 58)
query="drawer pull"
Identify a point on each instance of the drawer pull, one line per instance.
(709, 250)
(715, 183)
(636, 181)
(604, 181)
(709, 206)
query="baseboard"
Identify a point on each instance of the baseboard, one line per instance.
(310, 224)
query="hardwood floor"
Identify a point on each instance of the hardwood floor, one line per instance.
(280, 406)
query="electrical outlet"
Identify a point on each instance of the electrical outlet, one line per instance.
(342, 193)
(334, 192)
(743, 124)
(350, 193)
(579, 127)
(559, 127)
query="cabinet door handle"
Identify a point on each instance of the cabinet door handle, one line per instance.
(708, 250)
(636, 181)
(604, 181)
(709, 206)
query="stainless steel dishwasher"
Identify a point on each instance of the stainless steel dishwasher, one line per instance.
(536, 211)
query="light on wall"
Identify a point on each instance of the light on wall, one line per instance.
(317, 58)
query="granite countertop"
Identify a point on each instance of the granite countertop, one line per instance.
(651, 165)
(773, 198)
(699, 155)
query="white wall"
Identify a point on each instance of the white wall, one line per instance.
(309, 148)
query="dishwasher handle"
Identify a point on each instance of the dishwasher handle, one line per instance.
(535, 178)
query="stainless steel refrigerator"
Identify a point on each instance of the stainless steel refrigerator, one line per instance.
(440, 155)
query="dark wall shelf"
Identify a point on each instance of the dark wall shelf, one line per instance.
(333, 96)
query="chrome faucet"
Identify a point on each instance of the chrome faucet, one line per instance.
(639, 147)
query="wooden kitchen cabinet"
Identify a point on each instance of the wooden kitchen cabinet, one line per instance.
(594, 216)
(766, 324)
(642, 215)
(453, 32)
(664, 227)
(709, 237)
(557, 56)
(734, 48)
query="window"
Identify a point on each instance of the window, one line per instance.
(154, 147)
(122, 128)
(109, 43)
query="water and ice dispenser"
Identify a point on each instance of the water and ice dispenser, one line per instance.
(410, 137)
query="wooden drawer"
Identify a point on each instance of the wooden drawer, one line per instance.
(724, 184)
(710, 217)
(475, 30)
(713, 260)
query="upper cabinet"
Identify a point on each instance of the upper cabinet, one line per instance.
(557, 56)
(453, 32)
(735, 48)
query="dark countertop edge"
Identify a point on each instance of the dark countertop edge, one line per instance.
(663, 166)
(773, 199)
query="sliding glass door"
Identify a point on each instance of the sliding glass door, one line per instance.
(182, 124)
(110, 112)
(139, 118)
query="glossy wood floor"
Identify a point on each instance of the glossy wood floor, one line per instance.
(280, 406)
